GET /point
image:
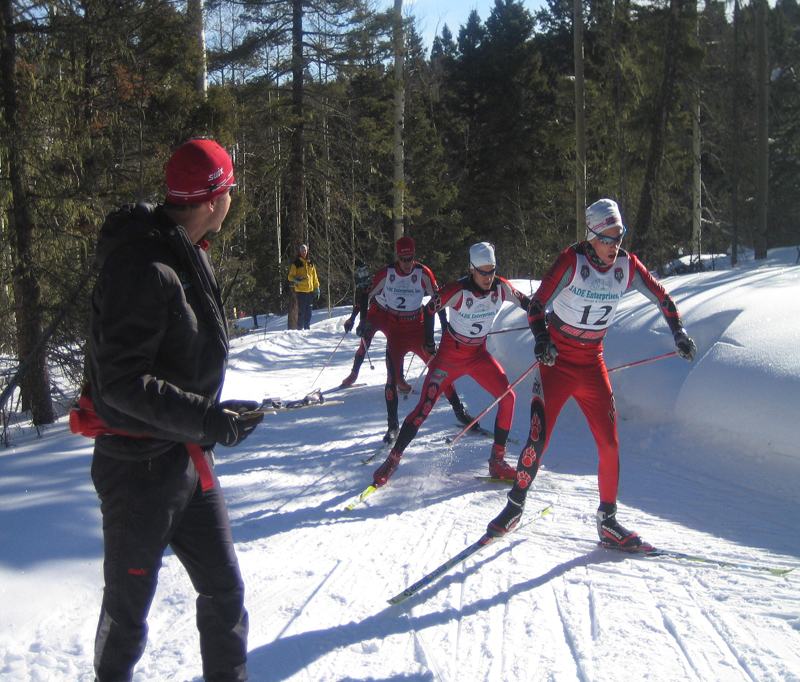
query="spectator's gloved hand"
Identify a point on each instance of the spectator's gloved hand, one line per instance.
(348, 325)
(429, 347)
(297, 280)
(316, 294)
(545, 350)
(685, 345)
(230, 422)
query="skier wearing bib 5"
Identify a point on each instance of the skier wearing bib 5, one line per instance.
(582, 289)
(474, 301)
(395, 308)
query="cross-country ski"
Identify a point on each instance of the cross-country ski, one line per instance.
(656, 552)
(478, 430)
(478, 546)
(341, 387)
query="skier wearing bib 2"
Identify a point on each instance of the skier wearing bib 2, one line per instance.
(395, 308)
(474, 301)
(582, 289)
(360, 305)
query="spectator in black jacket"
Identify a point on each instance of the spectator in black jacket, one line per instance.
(156, 361)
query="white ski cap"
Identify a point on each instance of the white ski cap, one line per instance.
(481, 254)
(601, 215)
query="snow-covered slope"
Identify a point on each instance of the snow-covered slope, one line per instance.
(710, 465)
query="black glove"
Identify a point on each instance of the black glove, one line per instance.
(429, 347)
(348, 325)
(364, 330)
(230, 422)
(685, 345)
(545, 350)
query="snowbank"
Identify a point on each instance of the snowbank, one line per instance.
(744, 385)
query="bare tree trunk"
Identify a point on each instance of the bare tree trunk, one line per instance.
(659, 125)
(195, 11)
(620, 11)
(35, 383)
(735, 138)
(399, 115)
(580, 122)
(327, 209)
(697, 170)
(297, 172)
(279, 212)
(762, 130)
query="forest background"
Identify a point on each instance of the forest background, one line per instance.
(96, 94)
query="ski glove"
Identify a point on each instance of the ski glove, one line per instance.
(316, 294)
(429, 347)
(545, 350)
(685, 345)
(348, 325)
(297, 280)
(364, 331)
(229, 422)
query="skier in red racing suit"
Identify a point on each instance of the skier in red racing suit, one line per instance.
(474, 301)
(583, 288)
(395, 308)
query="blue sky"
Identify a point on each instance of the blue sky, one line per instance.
(431, 15)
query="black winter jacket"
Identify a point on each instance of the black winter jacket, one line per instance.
(158, 343)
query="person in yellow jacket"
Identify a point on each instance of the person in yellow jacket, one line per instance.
(303, 274)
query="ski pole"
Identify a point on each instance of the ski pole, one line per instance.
(369, 359)
(642, 362)
(329, 359)
(505, 331)
(615, 369)
(497, 400)
(424, 370)
(411, 362)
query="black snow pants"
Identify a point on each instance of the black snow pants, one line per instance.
(147, 506)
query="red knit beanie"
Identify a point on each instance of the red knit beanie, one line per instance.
(404, 247)
(198, 171)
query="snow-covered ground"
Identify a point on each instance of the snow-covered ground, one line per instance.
(710, 465)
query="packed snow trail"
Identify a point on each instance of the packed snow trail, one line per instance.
(530, 608)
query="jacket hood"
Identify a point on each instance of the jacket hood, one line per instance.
(130, 223)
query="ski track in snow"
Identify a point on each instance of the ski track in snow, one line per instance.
(528, 608)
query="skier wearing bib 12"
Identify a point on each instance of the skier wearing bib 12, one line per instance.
(582, 289)
(474, 301)
(395, 308)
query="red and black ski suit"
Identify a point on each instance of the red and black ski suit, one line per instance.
(583, 298)
(395, 308)
(463, 352)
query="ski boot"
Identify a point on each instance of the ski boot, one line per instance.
(386, 470)
(466, 418)
(403, 386)
(391, 433)
(507, 520)
(350, 379)
(498, 467)
(612, 534)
